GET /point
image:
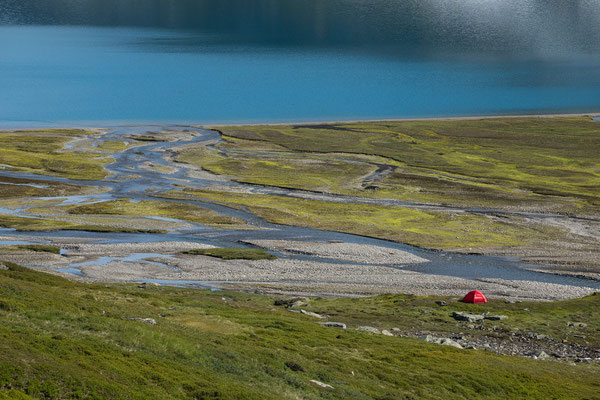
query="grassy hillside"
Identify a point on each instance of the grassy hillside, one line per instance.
(61, 339)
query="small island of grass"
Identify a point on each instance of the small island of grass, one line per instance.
(234, 253)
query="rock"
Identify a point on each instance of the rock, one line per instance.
(387, 333)
(290, 301)
(442, 341)
(495, 317)
(450, 342)
(3, 267)
(333, 325)
(144, 285)
(582, 325)
(461, 316)
(579, 336)
(321, 384)
(312, 314)
(541, 355)
(150, 321)
(368, 329)
(226, 298)
(441, 303)
(541, 337)
(395, 329)
(526, 309)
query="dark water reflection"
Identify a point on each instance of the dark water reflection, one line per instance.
(295, 59)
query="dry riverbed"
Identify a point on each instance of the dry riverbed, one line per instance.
(339, 269)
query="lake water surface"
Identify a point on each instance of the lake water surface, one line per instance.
(279, 60)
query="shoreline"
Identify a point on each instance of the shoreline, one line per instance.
(102, 124)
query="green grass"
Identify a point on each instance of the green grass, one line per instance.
(127, 208)
(16, 187)
(550, 162)
(234, 253)
(113, 146)
(40, 248)
(429, 229)
(62, 339)
(41, 224)
(42, 152)
(283, 169)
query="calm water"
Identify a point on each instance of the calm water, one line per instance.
(274, 60)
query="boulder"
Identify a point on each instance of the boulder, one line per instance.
(462, 316)
(496, 317)
(450, 342)
(369, 329)
(443, 341)
(3, 267)
(312, 314)
(333, 324)
(144, 285)
(441, 303)
(150, 321)
(291, 301)
(541, 355)
(387, 333)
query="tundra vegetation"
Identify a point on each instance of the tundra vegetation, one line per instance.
(43, 152)
(62, 339)
(512, 162)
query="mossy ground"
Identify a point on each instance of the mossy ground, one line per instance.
(62, 339)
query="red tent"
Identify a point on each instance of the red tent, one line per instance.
(474, 296)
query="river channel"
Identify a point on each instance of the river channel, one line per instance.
(152, 181)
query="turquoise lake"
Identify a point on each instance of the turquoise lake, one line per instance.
(211, 61)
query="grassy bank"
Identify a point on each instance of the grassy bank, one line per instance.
(62, 339)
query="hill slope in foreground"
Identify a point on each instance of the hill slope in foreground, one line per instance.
(62, 339)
